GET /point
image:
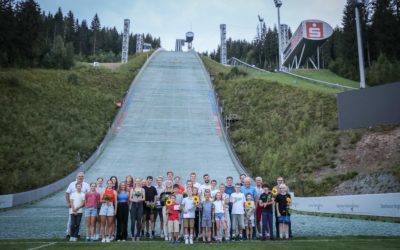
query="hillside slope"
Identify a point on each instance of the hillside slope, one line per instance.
(292, 131)
(49, 116)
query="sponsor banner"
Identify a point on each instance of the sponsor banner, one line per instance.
(387, 205)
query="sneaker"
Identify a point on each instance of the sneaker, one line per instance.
(107, 240)
(138, 238)
(112, 238)
(240, 238)
(147, 235)
(71, 239)
(103, 240)
(133, 239)
(191, 240)
(177, 242)
(88, 239)
(118, 240)
(186, 241)
(123, 240)
(166, 238)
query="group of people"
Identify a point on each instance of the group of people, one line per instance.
(190, 211)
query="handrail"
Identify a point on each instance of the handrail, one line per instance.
(336, 85)
(12, 200)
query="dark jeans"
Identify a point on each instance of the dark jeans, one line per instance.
(267, 219)
(122, 220)
(75, 224)
(136, 218)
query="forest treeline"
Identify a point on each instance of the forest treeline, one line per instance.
(30, 37)
(380, 20)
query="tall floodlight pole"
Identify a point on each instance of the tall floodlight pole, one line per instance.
(223, 43)
(278, 4)
(358, 4)
(125, 41)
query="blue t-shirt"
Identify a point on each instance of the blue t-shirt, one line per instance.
(207, 209)
(251, 190)
(229, 190)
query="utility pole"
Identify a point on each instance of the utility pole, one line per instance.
(278, 4)
(358, 4)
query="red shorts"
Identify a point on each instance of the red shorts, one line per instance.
(258, 213)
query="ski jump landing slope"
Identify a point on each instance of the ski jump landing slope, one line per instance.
(169, 121)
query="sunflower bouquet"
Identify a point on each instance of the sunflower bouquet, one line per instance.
(274, 192)
(107, 198)
(249, 204)
(169, 203)
(289, 203)
(196, 200)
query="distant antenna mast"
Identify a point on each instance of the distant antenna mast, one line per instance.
(260, 28)
(125, 41)
(223, 43)
(139, 43)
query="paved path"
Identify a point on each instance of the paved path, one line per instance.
(170, 123)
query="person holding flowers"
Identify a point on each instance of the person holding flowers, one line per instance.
(173, 211)
(196, 199)
(188, 209)
(136, 197)
(237, 199)
(275, 191)
(164, 196)
(150, 205)
(266, 203)
(249, 210)
(283, 201)
(220, 215)
(108, 211)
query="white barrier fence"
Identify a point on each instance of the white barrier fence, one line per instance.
(387, 205)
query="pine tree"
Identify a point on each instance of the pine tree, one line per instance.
(95, 27)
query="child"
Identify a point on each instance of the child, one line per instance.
(266, 202)
(249, 210)
(77, 200)
(283, 202)
(92, 201)
(178, 199)
(173, 212)
(237, 199)
(188, 209)
(207, 212)
(220, 215)
(197, 230)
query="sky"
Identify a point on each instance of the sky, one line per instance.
(171, 19)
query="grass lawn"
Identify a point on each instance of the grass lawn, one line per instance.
(301, 243)
(326, 75)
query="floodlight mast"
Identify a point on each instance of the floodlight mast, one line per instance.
(278, 4)
(358, 4)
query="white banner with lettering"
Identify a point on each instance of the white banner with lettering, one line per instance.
(387, 205)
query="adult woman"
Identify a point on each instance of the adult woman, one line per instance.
(92, 200)
(108, 210)
(114, 180)
(122, 212)
(163, 197)
(129, 182)
(136, 197)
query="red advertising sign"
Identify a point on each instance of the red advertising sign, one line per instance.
(315, 30)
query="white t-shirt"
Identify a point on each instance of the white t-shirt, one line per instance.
(238, 201)
(188, 208)
(214, 192)
(224, 197)
(197, 185)
(259, 191)
(203, 187)
(219, 206)
(78, 200)
(72, 188)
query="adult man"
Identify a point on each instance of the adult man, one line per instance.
(150, 203)
(206, 185)
(193, 179)
(280, 181)
(247, 188)
(170, 177)
(259, 191)
(160, 189)
(229, 189)
(242, 177)
(80, 177)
